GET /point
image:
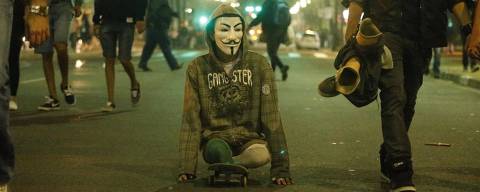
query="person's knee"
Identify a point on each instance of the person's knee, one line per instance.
(61, 47)
(254, 156)
(217, 151)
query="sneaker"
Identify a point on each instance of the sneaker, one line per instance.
(3, 188)
(474, 69)
(109, 107)
(135, 94)
(50, 105)
(401, 176)
(68, 93)
(284, 71)
(12, 105)
(144, 68)
(327, 87)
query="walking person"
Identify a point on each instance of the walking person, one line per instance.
(467, 61)
(60, 15)
(115, 22)
(437, 56)
(275, 19)
(159, 18)
(411, 29)
(38, 31)
(16, 42)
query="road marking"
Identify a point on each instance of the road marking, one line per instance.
(321, 55)
(294, 55)
(32, 80)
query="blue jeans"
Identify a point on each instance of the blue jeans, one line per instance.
(154, 37)
(7, 155)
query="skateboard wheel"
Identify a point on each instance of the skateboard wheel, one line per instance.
(211, 180)
(243, 181)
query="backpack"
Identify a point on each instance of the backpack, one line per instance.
(281, 14)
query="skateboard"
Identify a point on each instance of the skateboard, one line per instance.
(227, 173)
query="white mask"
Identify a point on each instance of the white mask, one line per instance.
(228, 34)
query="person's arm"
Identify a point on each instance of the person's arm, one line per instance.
(140, 9)
(474, 44)
(38, 28)
(355, 10)
(460, 11)
(190, 131)
(272, 127)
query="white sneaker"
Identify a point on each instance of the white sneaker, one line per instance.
(3, 188)
(12, 105)
(109, 107)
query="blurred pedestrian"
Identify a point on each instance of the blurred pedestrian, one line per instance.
(411, 29)
(275, 18)
(60, 15)
(16, 42)
(115, 22)
(437, 56)
(159, 17)
(474, 45)
(468, 61)
(38, 31)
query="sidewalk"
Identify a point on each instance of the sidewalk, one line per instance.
(452, 69)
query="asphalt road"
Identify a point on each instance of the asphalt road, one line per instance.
(333, 145)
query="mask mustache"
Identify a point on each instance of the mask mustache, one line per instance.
(231, 42)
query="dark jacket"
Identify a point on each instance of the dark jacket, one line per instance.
(419, 20)
(266, 17)
(159, 14)
(119, 10)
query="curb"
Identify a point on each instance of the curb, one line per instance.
(464, 80)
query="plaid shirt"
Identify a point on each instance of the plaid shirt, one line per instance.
(239, 106)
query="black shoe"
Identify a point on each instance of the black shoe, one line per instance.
(284, 71)
(401, 176)
(135, 94)
(144, 68)
(50, 105)
(474, 69)
(179, 66)
(384, 171)
(327, 87)
(68, 93)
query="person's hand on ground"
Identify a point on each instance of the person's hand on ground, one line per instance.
(183, 178)
(283, 181)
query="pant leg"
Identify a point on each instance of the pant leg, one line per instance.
(436, 60)
(254, 156)
(14, 59)
(7, 155)
(393, 99)
(415, 59)
(149, 47)
(217, 151)
(273, 44)
(166, 49)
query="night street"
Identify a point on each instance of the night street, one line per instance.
(333, 145)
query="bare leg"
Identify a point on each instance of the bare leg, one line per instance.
(62, 56)
(110, 77)
(128, 66)
(49, 74)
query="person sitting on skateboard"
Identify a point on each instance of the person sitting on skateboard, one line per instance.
(230, 108)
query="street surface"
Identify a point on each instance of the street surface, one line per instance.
(333, 145)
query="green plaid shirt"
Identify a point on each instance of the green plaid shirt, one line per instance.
(239, 106)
